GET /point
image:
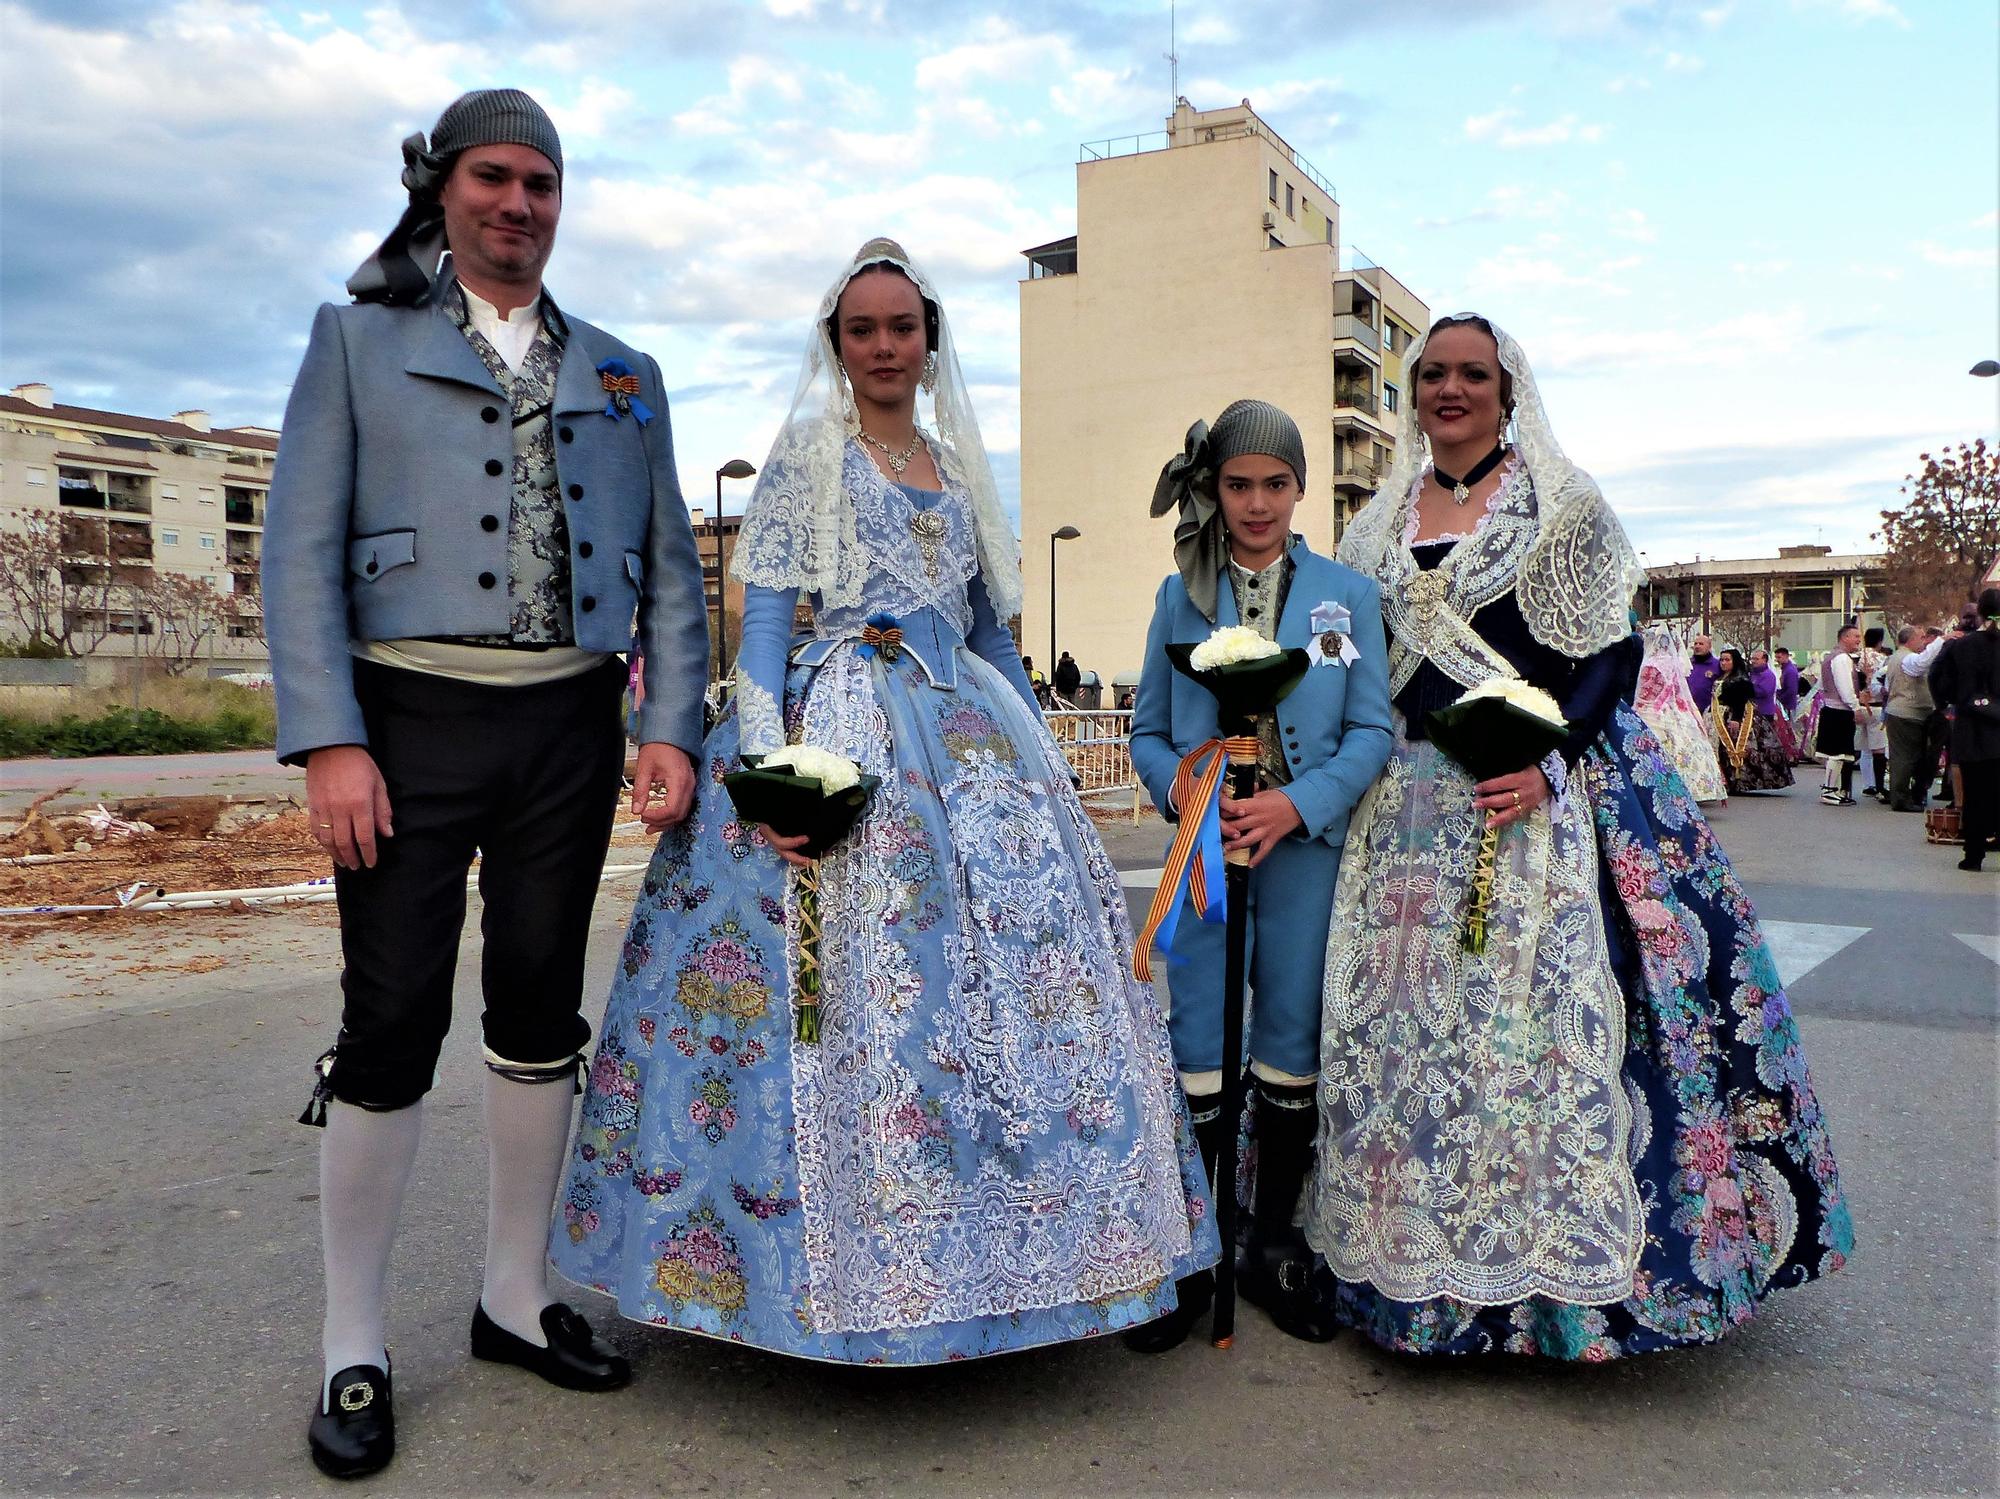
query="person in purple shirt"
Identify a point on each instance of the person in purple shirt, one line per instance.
(1788, 681)
(1702, 675)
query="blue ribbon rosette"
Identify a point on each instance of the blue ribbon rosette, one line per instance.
(621, 388)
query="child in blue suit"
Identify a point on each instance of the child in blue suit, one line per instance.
(1236, 486)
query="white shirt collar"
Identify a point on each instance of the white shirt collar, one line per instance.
(511, 336)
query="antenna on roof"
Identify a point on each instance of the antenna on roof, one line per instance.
(1174, 52)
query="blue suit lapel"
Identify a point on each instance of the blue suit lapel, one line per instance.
(1295, 623)
(441, 351)
(578, 388)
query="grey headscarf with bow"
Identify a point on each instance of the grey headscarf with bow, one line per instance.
(1201, 544)
(404, 265)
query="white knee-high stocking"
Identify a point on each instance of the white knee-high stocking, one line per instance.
(364, 1167)
(527, 1126)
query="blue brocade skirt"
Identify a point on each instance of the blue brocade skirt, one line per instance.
(1730, 1152)
(987, 1149)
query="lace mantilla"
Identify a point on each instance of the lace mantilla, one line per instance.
(1428, 612)
(1575, 582)
(797, 533)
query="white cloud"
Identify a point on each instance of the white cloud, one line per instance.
(1986, 221)
(1715, 15)
(1001, 53)
(1500, 129)
(1981, 259)
(1858, 10)
(1684, 62)
(1627, 83)
(1632, 224)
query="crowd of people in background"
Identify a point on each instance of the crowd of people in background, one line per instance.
(1912, 722)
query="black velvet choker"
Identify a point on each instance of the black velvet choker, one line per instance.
(1461, 489)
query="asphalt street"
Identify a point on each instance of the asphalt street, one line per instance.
(160, 1268)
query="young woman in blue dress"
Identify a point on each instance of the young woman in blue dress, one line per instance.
(985, 1148)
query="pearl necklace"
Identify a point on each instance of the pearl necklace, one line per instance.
(897, 461)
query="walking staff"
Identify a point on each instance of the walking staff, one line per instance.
(474, 496)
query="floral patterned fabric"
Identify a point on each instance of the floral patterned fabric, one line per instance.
(1767, 762)
(987, 1148)
(537, 530)
(1727, 1143)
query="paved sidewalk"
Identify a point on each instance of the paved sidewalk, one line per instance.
(159, 1274)
(108, 777)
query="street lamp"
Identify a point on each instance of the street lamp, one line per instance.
(735, 468)
(1067, 533)
(1986, 369)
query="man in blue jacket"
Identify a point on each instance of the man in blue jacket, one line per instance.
(1236, 487)
(474, 496)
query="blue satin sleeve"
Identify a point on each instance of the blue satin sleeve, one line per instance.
(760, 667)
(993, 642)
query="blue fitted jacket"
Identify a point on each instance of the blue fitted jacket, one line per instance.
(1335, 724)
(395, 465)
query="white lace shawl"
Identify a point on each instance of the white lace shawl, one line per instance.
(1575, 581)
(798, 533)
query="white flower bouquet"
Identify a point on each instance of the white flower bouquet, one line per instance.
(1248, 675)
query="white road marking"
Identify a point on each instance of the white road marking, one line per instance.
(1801, 946)
(1984, 943)
(1140, 879)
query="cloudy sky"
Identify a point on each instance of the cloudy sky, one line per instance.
(1748, 244)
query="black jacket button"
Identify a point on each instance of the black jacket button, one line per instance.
(370, 568)
(583, 549)
(489, 413)
(565, 434)
(489, 522)
(576, 491)
(493, 467)
(487, 580)
(589, 603)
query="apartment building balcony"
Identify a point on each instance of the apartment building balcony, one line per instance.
(244, 551)
(242, 507)
(1352, 475)
(1351, 327)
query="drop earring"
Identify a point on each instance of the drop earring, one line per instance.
(929, 380)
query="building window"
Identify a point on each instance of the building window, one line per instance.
(1274, 184)
(206, 495)
(1289, 212)
(208, 541)
(1809, 593)
(170, 538)
(1392, 398)
(1738, 596)
(1329, 231)
(38, 476)
(170, 491)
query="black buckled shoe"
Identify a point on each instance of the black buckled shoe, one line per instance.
(355, 1434)
(576, 1358)
(1278, 1278)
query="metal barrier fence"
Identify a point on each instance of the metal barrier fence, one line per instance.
(1097, 745)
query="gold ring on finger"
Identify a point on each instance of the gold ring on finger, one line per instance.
(1517, 801)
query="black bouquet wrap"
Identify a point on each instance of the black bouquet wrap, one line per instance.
(1490, 737)
(1244, 689)
(795, 804)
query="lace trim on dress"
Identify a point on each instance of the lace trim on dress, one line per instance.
(1480, 517)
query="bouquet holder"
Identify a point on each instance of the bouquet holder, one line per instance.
(1490, 737)
(792, 804)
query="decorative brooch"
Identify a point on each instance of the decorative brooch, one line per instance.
(882, 632)
(622, 386)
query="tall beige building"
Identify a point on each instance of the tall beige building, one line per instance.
(1207, 265)
(140, 495)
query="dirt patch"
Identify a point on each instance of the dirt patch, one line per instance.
(241, 846)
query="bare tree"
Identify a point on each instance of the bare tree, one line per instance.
(188, 613)
(1945, 535)
(63, 576)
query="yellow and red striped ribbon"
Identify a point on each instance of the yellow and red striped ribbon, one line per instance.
(1195, 785)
